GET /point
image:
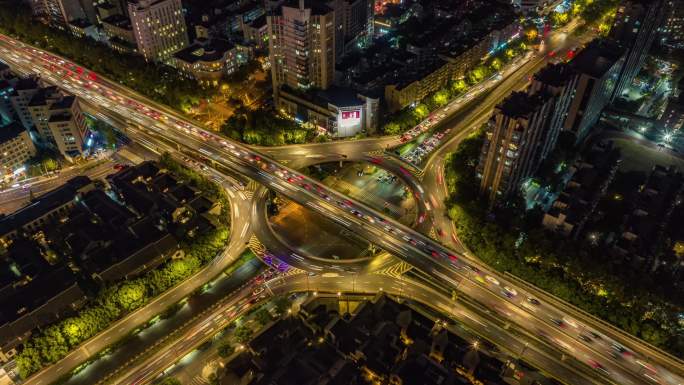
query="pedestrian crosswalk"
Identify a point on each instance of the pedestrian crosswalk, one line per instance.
(396, 270)
(375, 153)
(199, 380)
(256, 246)
(262, 253)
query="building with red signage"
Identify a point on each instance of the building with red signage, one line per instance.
(339, 111)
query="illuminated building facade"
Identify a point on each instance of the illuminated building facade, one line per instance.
(515, 137)
(302, 46)
(158, 27)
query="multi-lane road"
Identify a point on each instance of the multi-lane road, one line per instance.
(162, 129)
(19, 194)
(123, 327)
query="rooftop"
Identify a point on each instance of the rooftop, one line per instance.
(27, 282)
(43, 204)
(80, 23)
(597, 58)
(259, 22)
(120, 21)
(554, 74)
(26, 83)
(40, 98)
(519, 104)
(316, 7)
(63, 103)
(204, 50)
(11, 131)
(314, 348)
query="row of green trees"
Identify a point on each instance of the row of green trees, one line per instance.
(598, 13)
(118, 299)
(158, 82)
(408, 117)
(568, 270)
(264, 128)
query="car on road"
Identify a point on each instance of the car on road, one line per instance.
(570, 322)
(258, 290)
(492, 280)
(596, 365)
(558, 322)
(533, 301)
(621, 351)
(509, 292)
(586, 338)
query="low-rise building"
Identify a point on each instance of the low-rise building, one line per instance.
(379, 341)
(119, 33)
(50, 207)
(16, 148)
(109, 242)
(341, 112)
(82, 28)
(591, 176)
(438, 49)
(33, 293)
(207, 61)
(413, 86)
(651, 208)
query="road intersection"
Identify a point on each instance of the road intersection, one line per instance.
(162, 130)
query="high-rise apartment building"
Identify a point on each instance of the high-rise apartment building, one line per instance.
(302, 46)
(56, 119)
(6, 90)
(635, 27)
(353, 21)
(159, 28)
(23, 91)
(68, 126)
(597, 69)
(516, 136)
(559, 81)
(58, 13)
(673, 24)
(672, 118)
(39, 110)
